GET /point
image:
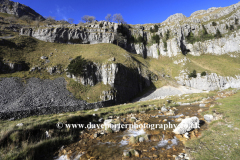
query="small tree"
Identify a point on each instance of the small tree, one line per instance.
(108, 18)
(91, 19)
(231, 27)
(167, 35)
(190, 38)
(140, 39)
(155, 29)
(156, 38)
(218, 34)
(118, 18)
(214, 23)
(76, 66)
(63, 21)
(193, 74)
(50, 20)
(88, 18)
(80, 23)
(37, 21)
(70, 20)
(203, 73)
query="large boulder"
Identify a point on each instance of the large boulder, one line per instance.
(110, 123)
(187, 125)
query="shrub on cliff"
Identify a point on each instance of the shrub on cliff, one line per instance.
(190, 38)
(77, 65)
(193, 74)
(214, 23)
(203, 73)
(156, 39)
(155, 29)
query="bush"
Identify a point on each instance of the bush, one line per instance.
(131, 39)
(205, 36)
(140, 39)
(214, 23)
(203, 73)
(190, 38)
(193, 74)
(101, 25)
(156, 39)
(77, 65)
(155, 29)
(226, 26)
(231, 27)
(167, 35)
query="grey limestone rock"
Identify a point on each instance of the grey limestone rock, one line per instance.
(18, 9)
(187, 125)
(208, 117)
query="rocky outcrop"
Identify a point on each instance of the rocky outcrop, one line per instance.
(10, 67)
(18, 9)
(210, 82)
(175, 17)
(125, 82)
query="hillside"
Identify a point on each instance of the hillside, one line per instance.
(53, 73)
(18, 9)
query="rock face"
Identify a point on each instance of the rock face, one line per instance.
(10, 67)
(175, 17)
(210, 82)
(18, 9)
(178, 25)
(125, 82)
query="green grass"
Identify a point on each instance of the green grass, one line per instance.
(222, 139)
(223, 65)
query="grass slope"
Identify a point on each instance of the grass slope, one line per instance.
(222, 139)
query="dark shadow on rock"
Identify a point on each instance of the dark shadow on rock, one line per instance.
(183, 46)
(201, 123)
(7, 67)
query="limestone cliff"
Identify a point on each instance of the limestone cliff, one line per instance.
(125, 82)
(210, 81)
(179, 26)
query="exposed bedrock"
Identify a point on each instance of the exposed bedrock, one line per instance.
(210, 82)
(125, 82)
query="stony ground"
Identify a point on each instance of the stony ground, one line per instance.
(17, 95)
(167, 91)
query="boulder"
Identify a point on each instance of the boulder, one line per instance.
(141, 139)
(44, 57)
(187, 125)
(164, 109)
(208, 117)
